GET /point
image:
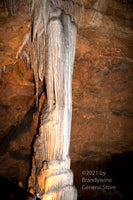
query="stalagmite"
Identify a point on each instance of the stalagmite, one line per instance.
(51, 177)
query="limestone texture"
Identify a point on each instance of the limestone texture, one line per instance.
(102, 98)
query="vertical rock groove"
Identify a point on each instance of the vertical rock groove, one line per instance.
(51, 177)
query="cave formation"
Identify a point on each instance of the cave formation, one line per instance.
(41, 43)
(51, 177)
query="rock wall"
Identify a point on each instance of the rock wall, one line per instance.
(102, 93)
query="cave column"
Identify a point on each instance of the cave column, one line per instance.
(51, 177)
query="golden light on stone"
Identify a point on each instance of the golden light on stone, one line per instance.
(51, 174)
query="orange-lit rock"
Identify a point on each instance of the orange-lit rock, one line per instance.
(102, 128)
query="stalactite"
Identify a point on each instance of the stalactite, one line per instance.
(53, 29)
(40, 11)
(41, 15)
(51, 177)
(10, 4)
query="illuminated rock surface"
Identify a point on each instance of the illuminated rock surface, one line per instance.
(102, 128)
(52, 142)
